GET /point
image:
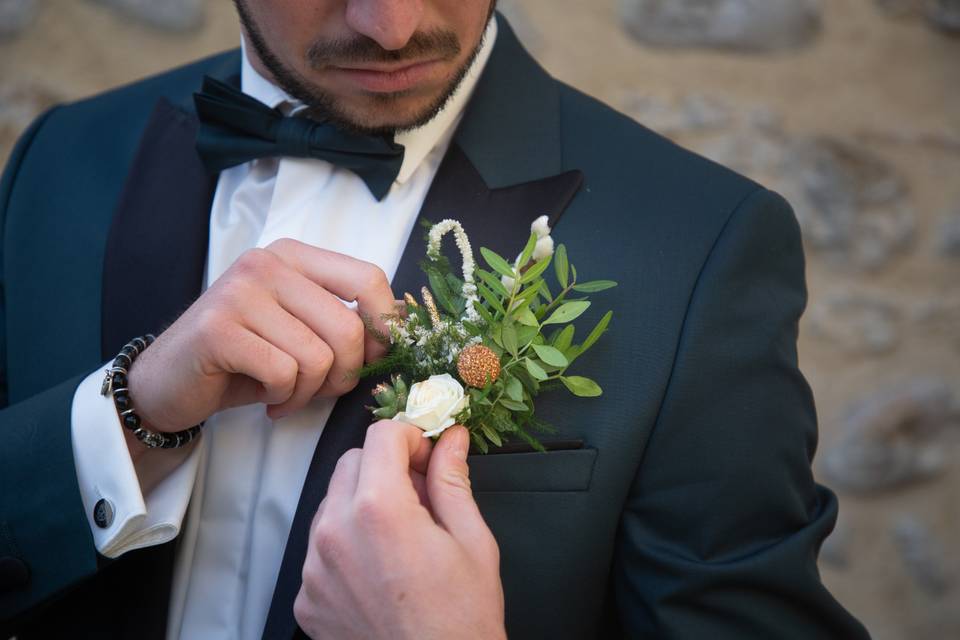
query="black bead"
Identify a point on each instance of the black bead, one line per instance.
(122, 360)
(119, 380)
(131, 421)
(122, 400)
(129, 350)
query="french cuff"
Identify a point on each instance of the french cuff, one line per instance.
(121, 517)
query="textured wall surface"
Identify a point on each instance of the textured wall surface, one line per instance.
(850, 108)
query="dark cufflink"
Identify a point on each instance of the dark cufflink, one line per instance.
(103, 513)
(14, 573)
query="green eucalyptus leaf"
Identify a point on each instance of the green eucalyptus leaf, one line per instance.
(536, 270)
(509, 336)
(525, 316)
(496, 334)
(527, 295)
(479, 442)
(545, 291)
(491, 434)
(551, 356)
(564, 339)
(514, 388)
(594, 286)
(573, 270)
(489, 297)
(527, 250)
(567, 312)
(580, 386)
(441, 292)
(482, 310)
(535, 369)
(513, 405)
(493, 282)
(531, 384)
(561, 265)
(525, 334)
(497, 263)
(597, 332)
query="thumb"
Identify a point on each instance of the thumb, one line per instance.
(448, 487)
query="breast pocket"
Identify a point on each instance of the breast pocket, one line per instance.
(552, 471)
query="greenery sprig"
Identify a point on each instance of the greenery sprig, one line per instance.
(501, 331)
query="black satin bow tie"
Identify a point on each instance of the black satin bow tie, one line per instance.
(235, 128)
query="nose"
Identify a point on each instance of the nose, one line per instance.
(390, 23)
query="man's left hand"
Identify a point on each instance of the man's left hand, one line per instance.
(398, 548)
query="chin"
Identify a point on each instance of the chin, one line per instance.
(389, 114)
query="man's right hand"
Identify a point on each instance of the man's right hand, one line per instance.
(271, 329)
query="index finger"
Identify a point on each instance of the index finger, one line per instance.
(390, 450)
(347, 278)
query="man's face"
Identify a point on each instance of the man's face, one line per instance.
(369, 65)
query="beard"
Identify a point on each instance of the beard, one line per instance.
(323, 105)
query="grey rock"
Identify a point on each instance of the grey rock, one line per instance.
(692, 113)
(20, 103)
(15, 16)
(901, 8)
(923, 557)
(944, 14)
(168, 15)
(745, 25)
(835, 550)
(856, 324)
(892, 438)
(853, 206)
(525, 28)
(948, 235)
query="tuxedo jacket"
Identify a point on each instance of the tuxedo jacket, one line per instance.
(679, 504)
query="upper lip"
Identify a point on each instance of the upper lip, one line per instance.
(381, 67)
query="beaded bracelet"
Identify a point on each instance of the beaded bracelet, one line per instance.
(116, 383)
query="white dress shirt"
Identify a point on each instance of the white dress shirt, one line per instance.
(242, 482)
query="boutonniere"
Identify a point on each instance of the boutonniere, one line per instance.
(479, 347)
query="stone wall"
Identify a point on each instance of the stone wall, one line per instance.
(850, 108)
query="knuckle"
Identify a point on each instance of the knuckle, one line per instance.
(375, 278)
(323, 357)
(211, 324)
(302, 611)
(254, 263)
(282, 372)
(283, 246)
(353, 330)
(327, 540)
(350, 456)
(371, 512)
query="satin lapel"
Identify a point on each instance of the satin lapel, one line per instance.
(498, 219)
(155, 254)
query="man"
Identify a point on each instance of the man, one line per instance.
(680, 504)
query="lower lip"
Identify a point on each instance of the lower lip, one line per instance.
(389, 81)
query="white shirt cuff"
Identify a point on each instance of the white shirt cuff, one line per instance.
(105, 471)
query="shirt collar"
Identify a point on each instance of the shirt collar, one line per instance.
(417, 143)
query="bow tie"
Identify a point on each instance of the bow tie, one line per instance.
(235, 128)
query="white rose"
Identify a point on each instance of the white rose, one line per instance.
(433, 403)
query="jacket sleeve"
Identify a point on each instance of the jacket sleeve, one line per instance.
(45, 541)
(720, 533)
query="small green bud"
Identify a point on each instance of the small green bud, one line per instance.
(385, 395)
